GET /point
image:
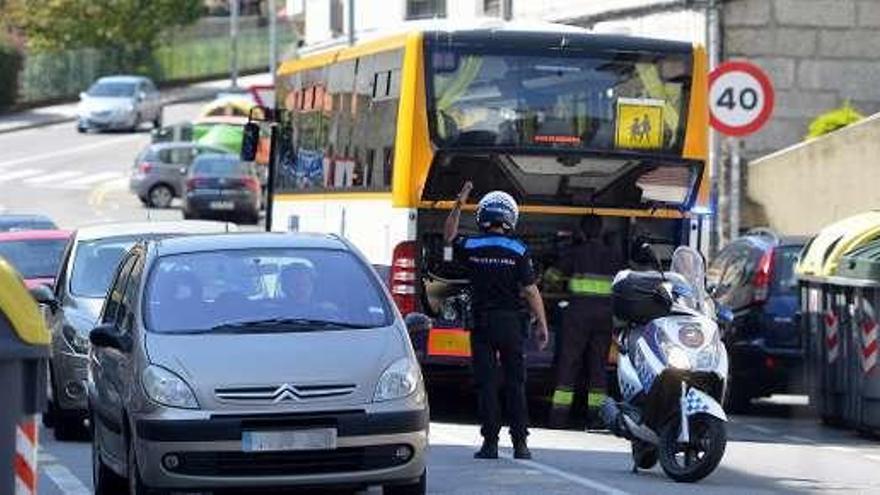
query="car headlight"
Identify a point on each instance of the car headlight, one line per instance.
(166, 388)
(77, 343)
(677, 357)
(399, 380)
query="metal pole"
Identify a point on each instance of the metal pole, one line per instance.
(273, 37)
(273, 166)
(350, 22)
(233, 39)
(507, 9)
(735, 170)
(713, 42)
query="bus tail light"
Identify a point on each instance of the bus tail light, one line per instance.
(403, 277)
(761, 282)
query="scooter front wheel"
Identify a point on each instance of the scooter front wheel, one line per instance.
(693, 461)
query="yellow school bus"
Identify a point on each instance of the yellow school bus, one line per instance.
(375, 140)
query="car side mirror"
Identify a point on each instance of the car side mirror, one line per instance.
(183, 170)
(250, 140)
(83, 95)
(108, 335)
(417, 323)
(44, 295)
(141, 96)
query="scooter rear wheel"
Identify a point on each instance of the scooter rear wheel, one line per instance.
(697, 459)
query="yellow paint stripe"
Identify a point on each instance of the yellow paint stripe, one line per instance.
(572, 210)
(343, 53)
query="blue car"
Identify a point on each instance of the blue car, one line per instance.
(755, 277)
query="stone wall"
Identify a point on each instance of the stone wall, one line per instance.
(801, 189)
(819, 54)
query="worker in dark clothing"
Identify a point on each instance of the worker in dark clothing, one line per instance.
(503, 286)
(588, 268)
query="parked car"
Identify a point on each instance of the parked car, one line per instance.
(119, 102)
(36, 254)
(222, 186)
(16, 221)
(754, 276)
(72, 307)
(160, 170)
(254, 361)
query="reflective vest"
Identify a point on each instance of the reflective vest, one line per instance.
(590, 285)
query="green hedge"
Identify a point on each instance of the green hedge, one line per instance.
(61, 75)
(10, 66)
(833, 120)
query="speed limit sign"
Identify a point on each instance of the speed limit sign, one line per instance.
(740, 98)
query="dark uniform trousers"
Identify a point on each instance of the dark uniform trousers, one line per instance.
(500, 334)
(585, 339)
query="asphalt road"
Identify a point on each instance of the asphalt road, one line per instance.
(81, 179)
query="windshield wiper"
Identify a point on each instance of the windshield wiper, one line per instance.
(285, 324)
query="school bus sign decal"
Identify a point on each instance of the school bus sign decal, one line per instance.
(639, 124)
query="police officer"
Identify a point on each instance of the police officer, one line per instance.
(503, 286)
(588, 268)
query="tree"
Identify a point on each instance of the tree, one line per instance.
(130, 25)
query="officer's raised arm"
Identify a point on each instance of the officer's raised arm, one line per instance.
(450, 228)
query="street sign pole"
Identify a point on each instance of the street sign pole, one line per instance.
(273, 37)
(741, 100)
(713, 35)
(233, 40)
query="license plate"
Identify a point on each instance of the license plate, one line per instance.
(453, 342)
(275, 441)
(221, 205)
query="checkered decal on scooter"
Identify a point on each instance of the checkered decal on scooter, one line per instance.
(646, 375)
(627, 389)
(694, 404)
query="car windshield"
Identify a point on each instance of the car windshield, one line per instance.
(26, 224)
(219, 166)
(38, 258)
(263, 290)
(112, 89)
(784, 280)
(95, 263)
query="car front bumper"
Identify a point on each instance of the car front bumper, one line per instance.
(208, 454)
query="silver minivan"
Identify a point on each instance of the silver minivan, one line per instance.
(255, 361)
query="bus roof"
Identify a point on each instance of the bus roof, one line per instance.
(378, 41)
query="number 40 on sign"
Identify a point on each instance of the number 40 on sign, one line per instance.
(741, 98)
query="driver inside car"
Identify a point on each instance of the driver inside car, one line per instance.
(298, 283)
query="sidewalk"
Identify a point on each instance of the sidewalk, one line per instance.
(56, 114)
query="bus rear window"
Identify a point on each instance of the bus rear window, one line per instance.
(501, 96)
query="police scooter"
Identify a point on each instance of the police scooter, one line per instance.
(672, 368)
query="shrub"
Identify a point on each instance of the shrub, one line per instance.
(10, 66)
(833, 120)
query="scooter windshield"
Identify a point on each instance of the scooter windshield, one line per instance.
(689, 263)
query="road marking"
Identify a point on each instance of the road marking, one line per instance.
(97, 196)
(65, 480)
(761, 430)
(53, 177)
(570, 477)
(91, 179)
(576, 479)
(66, 152)
(840, 448)
(20, 174)
(873, 457)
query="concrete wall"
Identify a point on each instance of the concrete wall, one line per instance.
(819, 53)
(808, 186)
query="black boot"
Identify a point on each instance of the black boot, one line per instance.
(521, 449)
(489, 450)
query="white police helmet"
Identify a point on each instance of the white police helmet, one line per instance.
(497, 208)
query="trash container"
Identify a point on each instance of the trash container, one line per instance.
(860, 270)
(24, 350)
(826, 317)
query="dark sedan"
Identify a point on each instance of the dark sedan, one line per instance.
(222, 186)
